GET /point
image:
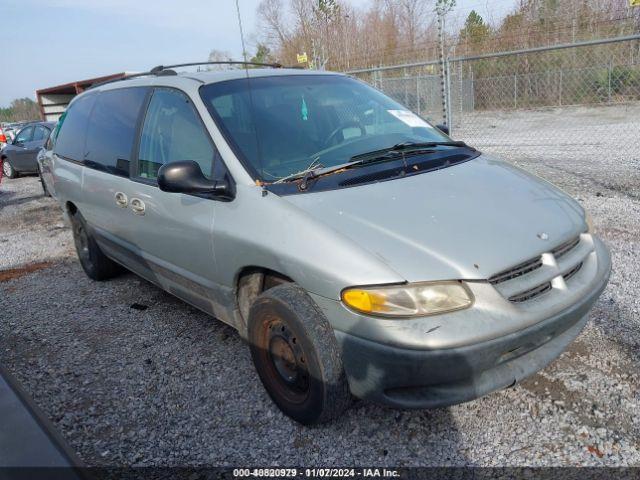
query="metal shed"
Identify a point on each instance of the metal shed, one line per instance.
(53, 101)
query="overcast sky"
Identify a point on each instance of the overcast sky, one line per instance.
(50, 42)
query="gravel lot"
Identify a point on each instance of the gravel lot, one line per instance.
(131, 375)
(579, 141)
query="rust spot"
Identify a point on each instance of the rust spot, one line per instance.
(13, 273)
(594, 450)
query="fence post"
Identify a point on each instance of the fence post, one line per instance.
(473, 92)
(609, 82)
(460, 92)
(418, 90)
(448, 97)
(406, 92)
(560, 88)
(515, 91)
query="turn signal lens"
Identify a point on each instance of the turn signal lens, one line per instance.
(413, 300)
(363, 300)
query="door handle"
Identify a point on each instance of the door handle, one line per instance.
(137, 206)
(121, 200)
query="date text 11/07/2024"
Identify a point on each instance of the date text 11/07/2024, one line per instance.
(316, 472)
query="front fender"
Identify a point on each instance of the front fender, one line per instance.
(268, 232)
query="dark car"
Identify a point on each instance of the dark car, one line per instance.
(28, 440)
(44, 159)
(20, 155)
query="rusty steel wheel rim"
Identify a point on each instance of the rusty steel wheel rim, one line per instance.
(286, 362)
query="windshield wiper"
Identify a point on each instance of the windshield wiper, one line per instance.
(316, 169)
(398, 148)
(307, 173)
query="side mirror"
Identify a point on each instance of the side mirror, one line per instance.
(443, 128)
(186, 177)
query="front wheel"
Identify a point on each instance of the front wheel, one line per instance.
(8, 169)
(296, 355)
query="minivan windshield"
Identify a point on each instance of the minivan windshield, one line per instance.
(282, 125)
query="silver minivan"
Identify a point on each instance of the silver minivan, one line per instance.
(358, 249)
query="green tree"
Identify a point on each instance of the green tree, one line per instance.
(475, 31)
(329, 9)
(262, 55)
(21, 109)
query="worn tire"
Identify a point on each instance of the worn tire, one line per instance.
(8, 169)
(95, 264)
(286, 326)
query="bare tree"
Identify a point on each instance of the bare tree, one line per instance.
(339, 36)
(219, 56)
(273, 22)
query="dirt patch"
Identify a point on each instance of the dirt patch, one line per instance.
(13, 273)
(542, 386)
(577, 350)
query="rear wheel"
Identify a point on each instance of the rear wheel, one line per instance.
(95, 264)
(296, 355)
(8, 169)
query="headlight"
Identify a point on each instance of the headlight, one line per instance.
(589, 221)
(411, 300)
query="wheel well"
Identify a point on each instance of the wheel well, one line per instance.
(251, 282)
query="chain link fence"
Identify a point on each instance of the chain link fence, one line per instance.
(417, 86)
(578, 99)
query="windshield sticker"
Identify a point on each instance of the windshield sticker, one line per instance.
(409, 118)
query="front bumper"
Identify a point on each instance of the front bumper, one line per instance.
(427, 377)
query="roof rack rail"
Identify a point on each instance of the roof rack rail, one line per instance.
(125, 77)
(160, 68)
(163, 70)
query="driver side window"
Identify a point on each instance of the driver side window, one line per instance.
(173, 131)
(25, 135)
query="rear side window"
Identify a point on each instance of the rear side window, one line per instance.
(173, 131)
(51, 141)
(40, 133)
(112, 129)
(73, 128)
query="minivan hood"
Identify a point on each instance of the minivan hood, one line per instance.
(468, 221)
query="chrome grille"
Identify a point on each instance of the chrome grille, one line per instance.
(566, 247)
(517, 271)
(532, 293)
(572, 272)
(536, 276)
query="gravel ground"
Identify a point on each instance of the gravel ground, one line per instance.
(31, 226)
(131, 375)
(579, 141)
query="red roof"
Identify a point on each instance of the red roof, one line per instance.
(79, 86)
